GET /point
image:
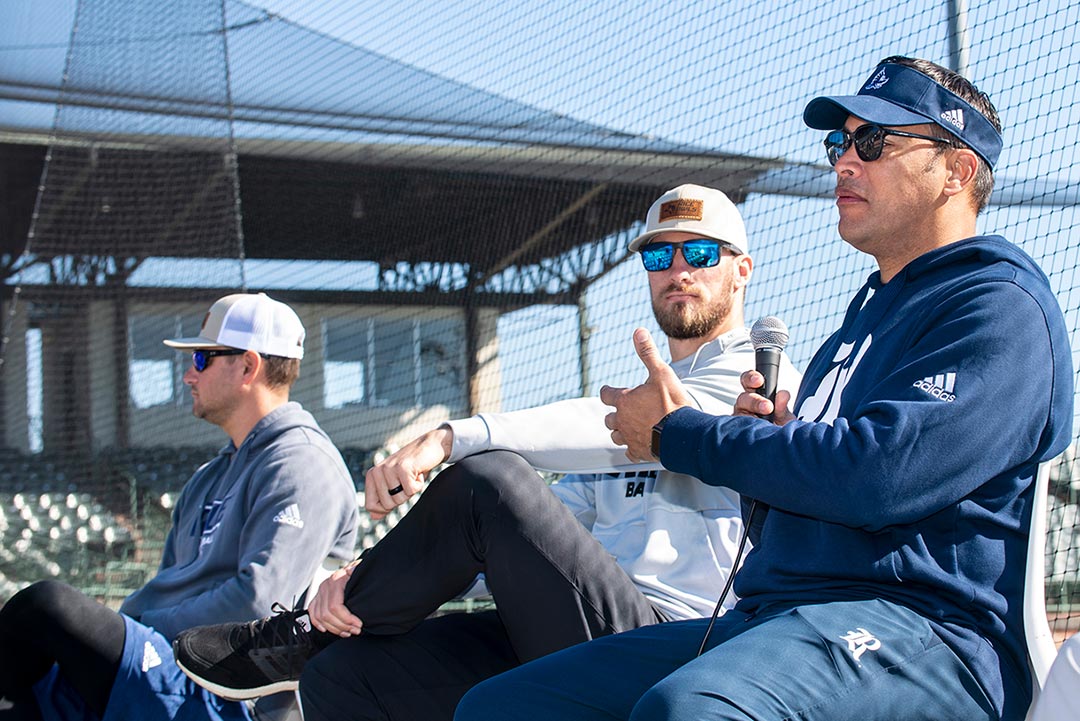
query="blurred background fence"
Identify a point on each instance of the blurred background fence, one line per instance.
(444, 191)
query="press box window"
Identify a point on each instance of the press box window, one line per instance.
(156, 371)
(405, 362)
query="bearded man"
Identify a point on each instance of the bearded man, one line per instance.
(615, 546)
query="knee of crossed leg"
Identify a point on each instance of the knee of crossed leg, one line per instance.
(496, 476)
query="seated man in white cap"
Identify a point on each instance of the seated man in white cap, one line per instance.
(620, 547)
(252, 526)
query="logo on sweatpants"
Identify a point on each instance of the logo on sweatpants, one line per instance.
(860, 641)
(150, 657)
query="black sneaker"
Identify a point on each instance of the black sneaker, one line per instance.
(240, 661)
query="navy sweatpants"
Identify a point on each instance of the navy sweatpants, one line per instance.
(843, 661)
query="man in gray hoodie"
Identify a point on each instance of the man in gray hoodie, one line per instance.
(251, 526)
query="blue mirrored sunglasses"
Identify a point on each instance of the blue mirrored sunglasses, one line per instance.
(201, 358)
(698, 253)
(869, 141)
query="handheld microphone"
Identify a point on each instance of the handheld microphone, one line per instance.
(769, 335)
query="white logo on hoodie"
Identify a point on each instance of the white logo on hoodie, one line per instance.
(824, 405)
(290, 515)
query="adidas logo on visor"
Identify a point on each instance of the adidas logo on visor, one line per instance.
(954, 118)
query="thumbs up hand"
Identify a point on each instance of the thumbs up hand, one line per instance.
(638, 409)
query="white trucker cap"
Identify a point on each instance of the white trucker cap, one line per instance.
(698, 210)
(248, 321)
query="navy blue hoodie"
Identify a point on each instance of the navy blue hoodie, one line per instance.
(908, 474)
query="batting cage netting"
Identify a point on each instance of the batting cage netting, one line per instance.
(444, 192)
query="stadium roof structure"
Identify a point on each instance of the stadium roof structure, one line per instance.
(335, 141)
(344, 154)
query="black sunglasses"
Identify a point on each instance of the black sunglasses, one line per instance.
(201, 358)
(698, 253)
(869, 141)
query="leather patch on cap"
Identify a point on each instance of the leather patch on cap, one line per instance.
(681, 209)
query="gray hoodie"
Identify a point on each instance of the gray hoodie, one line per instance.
(251, 527)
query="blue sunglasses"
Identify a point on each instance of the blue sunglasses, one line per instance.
(200, 359)
(698, 253)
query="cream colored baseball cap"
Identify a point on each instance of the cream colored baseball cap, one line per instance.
(694, 209)
(248, 321)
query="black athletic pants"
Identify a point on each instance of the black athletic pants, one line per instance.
(554, 586)
(50, 622)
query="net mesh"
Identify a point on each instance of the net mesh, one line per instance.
(445, 196)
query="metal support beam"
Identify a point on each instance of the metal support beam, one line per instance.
(959, 45)
(121, 374)
(472, 350)
(584, 333)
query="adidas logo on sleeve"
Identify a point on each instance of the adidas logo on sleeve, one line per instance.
(290, 515)
(940, 386)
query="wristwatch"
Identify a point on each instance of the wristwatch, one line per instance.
(654, 446)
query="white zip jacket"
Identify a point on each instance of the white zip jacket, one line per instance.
(675, 536)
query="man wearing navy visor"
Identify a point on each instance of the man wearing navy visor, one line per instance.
(886, 578)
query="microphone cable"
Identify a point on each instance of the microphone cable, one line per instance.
(769, 336)
(731, 576)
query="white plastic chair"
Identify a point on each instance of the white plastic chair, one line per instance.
(277, 707)
(1060, 697)
(323, 572)
(1040, 639)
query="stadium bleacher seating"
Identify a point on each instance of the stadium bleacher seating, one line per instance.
(100, 523)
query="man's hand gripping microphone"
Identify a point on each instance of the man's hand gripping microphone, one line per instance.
(769, 335)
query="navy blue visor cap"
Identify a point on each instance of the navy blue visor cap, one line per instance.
(896, 95)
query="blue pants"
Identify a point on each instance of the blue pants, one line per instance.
(149, 686)
(866, 660)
